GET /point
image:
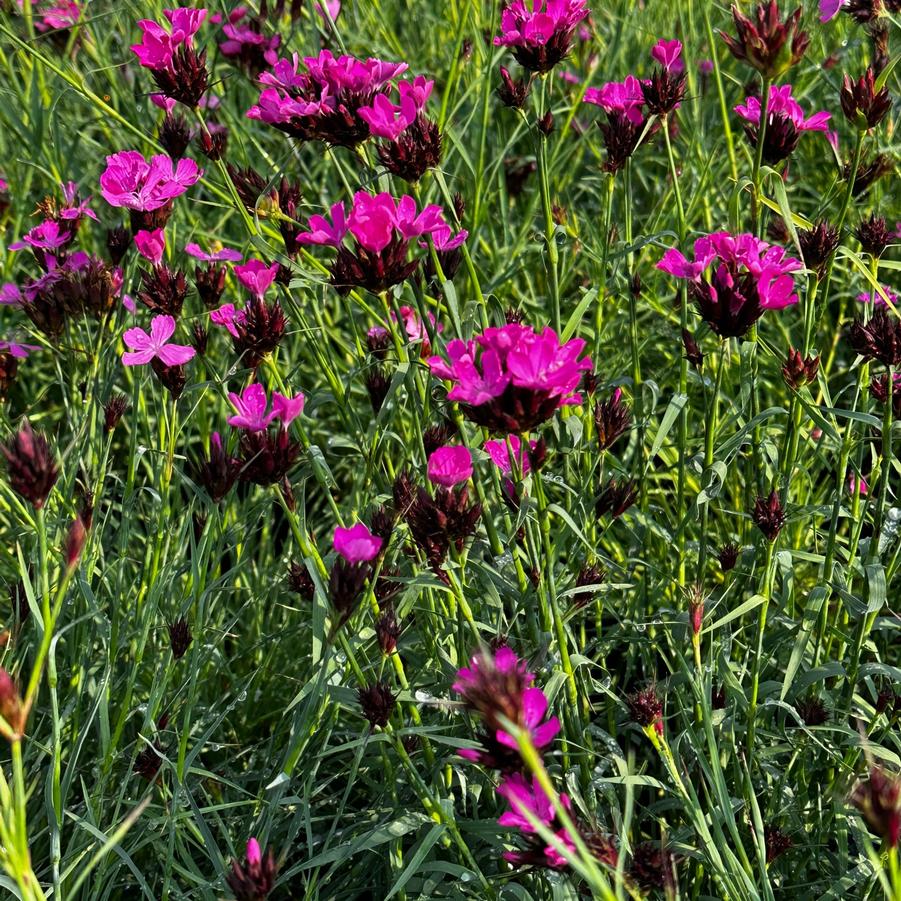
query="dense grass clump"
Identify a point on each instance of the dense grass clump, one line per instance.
(448, 450)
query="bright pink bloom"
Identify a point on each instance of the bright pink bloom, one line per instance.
(223, 254)
(619, 97)
(524, 797)
(322, 102)
(151, 245)
(517, 357)
(49, 236)
(64, 14)
(321, 232)
(254, 854)
(386, 120)
(782, 102)
(74, 207)
(547, 20)
(356, 544)
(669, 55)
(256, 276)
(253, 413)
(158, 43)
(145, 347)
(19, 351)
(332, 7)
(167, 104)
(829, 9)
(416, 330)
(228, 317)
(130, 181)
(450, 465)
(245, 40)
(504, 456)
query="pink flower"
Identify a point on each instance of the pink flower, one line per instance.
(228, 317)
(63, 15)
(705, 66)
(74, 208)
(321, 232)
(855, 483)
(878, 299)
(223, 254)
(540, 32)
(323, 102)
(619, 97)
(167, 104)
(504, 457)
(416, 330)
(669, 55)
(513, 378)
(48, 236)
(147, 347)
(373, 219)
(19, 351)
(256, 276)
(356, 544)
(528, 798)
(450, 465)
(10, 294)
(253, 413)
(254, 854)
(783, 104)
(247, 43)
(151, 245)
(130, 181)
(386, 120)
(158, 44)
(332, 7)
(829, 9)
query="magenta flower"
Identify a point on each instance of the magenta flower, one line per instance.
(10, 294)
(829, 9)
(450, 465)
(356, 544)
(856, 484)
(45, 241)
(254, 878)
(705, 66)
(382, 229)
(158, 44)
(151, 245)
(669, 55)
(59, 17)
(228, 317)
(323, 102)
(619, 97)
(785, 122)
(146, 347)
(331, 8)
(130, 181)
(256, 276)
(508, 451)
(416, 329)
(74, 208)
(749, 277)
(167, 104)
(19, 351)
(246, 44)
(224, 254)
(253, 413)
(540, 36)
(512, 379)
(877, 297)
(386, 120)
(522, 798)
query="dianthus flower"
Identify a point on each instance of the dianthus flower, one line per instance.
(785, 122)
(178, 70)
(748, 277)
(323, 100)
(155, 345)
(528, 799)
(540, 33)
(245, 42)
(512, 379)
(382, 230)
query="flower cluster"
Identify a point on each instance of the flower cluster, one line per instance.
(512, 379)
(323, 100)
(380, 230)
(540, 33)
(748, 277)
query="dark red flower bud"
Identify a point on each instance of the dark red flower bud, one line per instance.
(113, 411)
(769, 516)
(416, 150)
(10, 704)
(728, 556)
(75, 540)
(799, 371)
(377, 702)
(869, 173)
(693, 352)
(164, 290)
(646, 708)
(776, 841)
(118, 242)
(300, 581)
(174, 135)
(874, 235)
(879, 339)
(616, 497)
(387, 630)
(9, 366)
(611, 419)
(812, 711)
(209, 281)
(513, 93)
(186, 80)
(818, 244)
(653, 867)
(663, 91)
(863, 105)
(180, 637)
(378, 384)
(254, 879)
(218, 472)
(546, 124)
(621, 137)
(588, 581)
(879, 801)
(696, 601)
(172, 378)
(30, 466)
(516, 173)
(766, 42)
(213, 144)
